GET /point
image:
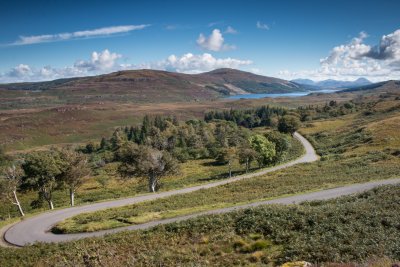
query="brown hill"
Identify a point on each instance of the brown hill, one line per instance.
(156, 86)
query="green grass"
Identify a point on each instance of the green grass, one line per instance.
(350, 154)
(193, 172)
(352, 229)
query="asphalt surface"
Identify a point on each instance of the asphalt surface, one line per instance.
(37, 228)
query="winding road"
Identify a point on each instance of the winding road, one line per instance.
(37, 228)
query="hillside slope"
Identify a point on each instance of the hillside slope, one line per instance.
(147, 86)
(333, 84)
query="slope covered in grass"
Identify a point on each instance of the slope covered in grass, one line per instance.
(348, 229)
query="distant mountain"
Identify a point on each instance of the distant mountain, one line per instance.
(333, 84)
(161, 86)
(387, 86)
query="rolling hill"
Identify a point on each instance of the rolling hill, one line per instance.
(333, 84)
(152, 86)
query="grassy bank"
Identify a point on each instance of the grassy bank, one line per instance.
(350, 229)
(353, 150)
(193, 172)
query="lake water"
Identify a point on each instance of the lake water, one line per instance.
(294, 94)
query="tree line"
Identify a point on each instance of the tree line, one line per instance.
(45, 172)
(153, 150)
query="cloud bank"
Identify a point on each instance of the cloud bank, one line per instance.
(100, 32)
(190, 63)
(357, 59)
(106, 62)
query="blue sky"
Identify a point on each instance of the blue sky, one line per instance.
(43, 40)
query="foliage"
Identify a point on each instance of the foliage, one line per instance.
(145, 161)
(75, 168)
(348, 230)
(43, 171)
(249, 118)
(288, 124)
(264, 148)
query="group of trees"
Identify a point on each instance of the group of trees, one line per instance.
(249, 118)
(44, 171)
(261, 116)
(328, 110)
(153, 150)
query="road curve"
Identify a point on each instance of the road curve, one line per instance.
(36, 229)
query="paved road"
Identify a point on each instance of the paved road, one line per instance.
(36, 229)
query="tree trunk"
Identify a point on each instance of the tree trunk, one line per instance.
(48, 197)
(247, 165)
(152, 183)
(230, 169)
(51, 205)
(72, 196)
(18, 204)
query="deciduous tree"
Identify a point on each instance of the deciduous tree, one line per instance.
(146, 161)
(43, 171)
(264, 148)
(10, 183)
(246, 156)
(75, 168)
(288, 124)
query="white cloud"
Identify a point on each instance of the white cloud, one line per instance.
(99, 61)
(262, 26)
(106, 62)
(20, 71)
(106, 31)
(231, 30)
(357, 59)
(214, 42)
(190, 63)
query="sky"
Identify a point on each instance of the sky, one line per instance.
(46, 40)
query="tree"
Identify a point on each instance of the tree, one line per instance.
(74, 171)
(246, 156)
(282, 144)
(225, 156)
(264, 148)
(117, 139)
(146, 161)
(9, 184)
(43, 171)
(104, 143)
(288, 124)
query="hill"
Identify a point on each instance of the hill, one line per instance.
(148, 86)
(387, 86)
(333, 84)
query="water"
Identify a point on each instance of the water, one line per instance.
(294, 94)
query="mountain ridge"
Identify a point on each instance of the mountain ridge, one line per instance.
(218, 82)
(333, 84)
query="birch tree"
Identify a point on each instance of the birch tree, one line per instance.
(43, 171)
(9, 185)
(75, 168)
(139, 161)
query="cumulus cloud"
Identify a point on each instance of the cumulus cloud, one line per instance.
(100, 32)
(262, 26)
(357, 59)
(190, 63)
(106, 61)
(231, 30)
(20, 71)
(99, 61)
(388, 48)
(214, 42)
